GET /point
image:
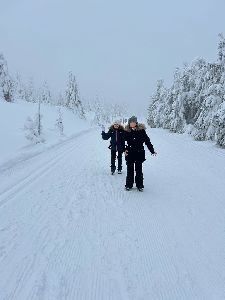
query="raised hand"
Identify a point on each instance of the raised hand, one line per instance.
(154, 154)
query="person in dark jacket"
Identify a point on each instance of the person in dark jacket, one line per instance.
(117, 144)
(135, 136)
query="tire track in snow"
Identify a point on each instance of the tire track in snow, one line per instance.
(34, 175)
(44, 217)
(86, 225)
(153, 260)
(145, 245)
(90, 239)
(85, 245)
(22, 159)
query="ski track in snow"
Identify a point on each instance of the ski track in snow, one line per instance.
(69, 230)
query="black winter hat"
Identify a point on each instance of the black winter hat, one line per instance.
(132, 119)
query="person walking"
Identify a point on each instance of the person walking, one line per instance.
(117, 144)
(135, 136)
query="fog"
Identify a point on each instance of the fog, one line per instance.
(116, 49)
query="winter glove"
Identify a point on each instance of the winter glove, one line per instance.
(154, 154)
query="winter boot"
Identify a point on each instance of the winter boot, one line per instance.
(113, 169)
(127, 188)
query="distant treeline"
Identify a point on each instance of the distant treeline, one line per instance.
(14, 89)
(195, 102)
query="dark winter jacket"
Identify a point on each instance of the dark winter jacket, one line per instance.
(135, 138)
(117, 142)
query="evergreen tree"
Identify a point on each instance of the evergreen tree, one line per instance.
(33, 128)
(19, 88)
(72, 97)
(6, 82)
(219, 123)
(60, 100)
(156, 107)
(29, 92)
(195, 101)
(221, 50)
(213, 97)
(59, 122)
(98, 111)
(45, 94)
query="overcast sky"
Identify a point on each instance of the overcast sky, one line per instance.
(117, 49)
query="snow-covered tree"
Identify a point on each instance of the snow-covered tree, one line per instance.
(72, 96)
(45, 94)
(219, 123)
(105, 112)
(6, 82)
(156, 107)
(97, 107)
(19, 88)
(59, 122)
(116, 111)
(213, 97)
(195, 101)
(60, 100)
(33, 128)
(30, 95)
(221, 50)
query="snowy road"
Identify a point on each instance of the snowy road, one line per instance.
(68, 230)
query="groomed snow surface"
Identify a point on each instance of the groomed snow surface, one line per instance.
(69, 230)
(13, 117)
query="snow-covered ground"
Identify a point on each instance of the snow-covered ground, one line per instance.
(13, 117)
(69, 230)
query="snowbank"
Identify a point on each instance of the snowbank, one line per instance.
(13, 117)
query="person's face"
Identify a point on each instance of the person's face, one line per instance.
(116, 126)
(133, 124)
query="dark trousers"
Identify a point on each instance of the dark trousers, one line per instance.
(137, 166)
(113, 160)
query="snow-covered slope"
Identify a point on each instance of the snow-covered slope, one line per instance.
(13, 117)
(69, 230)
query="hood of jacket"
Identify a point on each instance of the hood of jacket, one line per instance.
(119, 128)
(140, 126)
